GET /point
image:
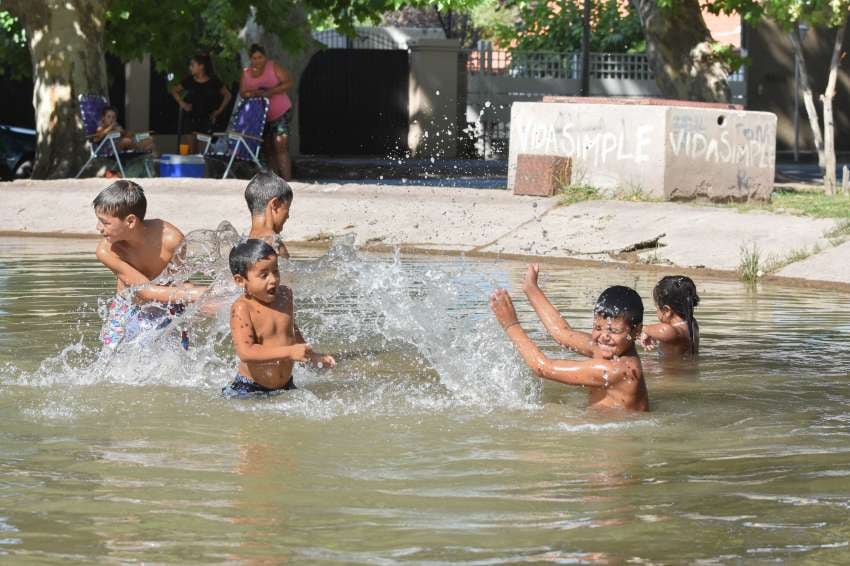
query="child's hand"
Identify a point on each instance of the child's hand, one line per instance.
(193, 292)
(301, 352)
(322, 360)
(503, 308)
(530, 280)
(648, 342)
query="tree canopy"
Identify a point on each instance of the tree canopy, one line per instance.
(557, 26)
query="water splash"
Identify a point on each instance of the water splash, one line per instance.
(408, 337)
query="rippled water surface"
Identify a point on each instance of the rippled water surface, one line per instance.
(430, 443)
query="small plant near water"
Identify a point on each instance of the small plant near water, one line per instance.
(839, 234)
(580, 192)
(633, 192)
(750, 268)
(798, 254)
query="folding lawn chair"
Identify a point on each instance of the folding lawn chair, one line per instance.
(91, 108)
(244, 135)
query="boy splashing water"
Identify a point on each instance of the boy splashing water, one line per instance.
(137, 251)
(261, 323)
(613, 375)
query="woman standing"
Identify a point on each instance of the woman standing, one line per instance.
(205, 100)
(266, 78)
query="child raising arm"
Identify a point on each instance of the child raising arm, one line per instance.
(613, 374)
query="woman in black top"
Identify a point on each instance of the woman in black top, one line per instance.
(205, 98)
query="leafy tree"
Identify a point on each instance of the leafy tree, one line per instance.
(14, 59)
(557, 26)
(67, 40)
(790, 14)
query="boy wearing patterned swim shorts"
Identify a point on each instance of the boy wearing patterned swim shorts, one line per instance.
(137, 251)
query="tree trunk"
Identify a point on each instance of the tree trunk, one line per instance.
(66, 47)
(829, 180)
(679, 46)
(808, 97)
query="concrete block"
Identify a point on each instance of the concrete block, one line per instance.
(668, 151)
(542, 175)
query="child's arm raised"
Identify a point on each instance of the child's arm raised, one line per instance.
(555, 324)
(654, 333)
(592, 373)
(245, 343)
(129, 276)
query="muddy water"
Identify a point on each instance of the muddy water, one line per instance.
(430, 443)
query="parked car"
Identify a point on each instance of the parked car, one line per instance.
(17, 152)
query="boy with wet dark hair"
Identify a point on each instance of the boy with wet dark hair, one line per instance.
(613, 374)
(269, 199)
(262, 326)
(137, 251)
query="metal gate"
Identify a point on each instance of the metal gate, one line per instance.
(354, 102)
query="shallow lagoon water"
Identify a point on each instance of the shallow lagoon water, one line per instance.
(429, 443)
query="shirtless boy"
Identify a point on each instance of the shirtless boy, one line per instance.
(613, 374)
(269, 199)
(137, 251)
(261, 323)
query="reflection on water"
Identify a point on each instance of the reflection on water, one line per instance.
(430, 443)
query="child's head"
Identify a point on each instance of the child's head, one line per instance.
(201, 64)
(119, 207)
(618, 319)
(676, 294)
(269, 195)
(109, 115)
(253, 264)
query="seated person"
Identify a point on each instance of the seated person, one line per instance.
(677, 333)
(109, 123)
(264, 333)
(269, 199)
(137, 251)
(613, 374)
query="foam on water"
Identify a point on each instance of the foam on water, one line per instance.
(426, 328)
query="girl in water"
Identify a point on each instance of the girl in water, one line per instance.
(677, 332)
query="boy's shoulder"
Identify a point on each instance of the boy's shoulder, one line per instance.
(165, 235)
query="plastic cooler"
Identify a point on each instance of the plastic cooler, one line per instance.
(181, 166)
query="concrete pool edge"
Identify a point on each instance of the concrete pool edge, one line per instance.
(688, 238)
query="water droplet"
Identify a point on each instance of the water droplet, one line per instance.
(437, 93)
(487, 104)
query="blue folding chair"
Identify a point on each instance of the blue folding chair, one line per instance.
(91, 109)
(244, 135)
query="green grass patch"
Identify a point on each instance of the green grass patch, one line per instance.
(749, 267)
(804, 203)
(840, 232)
(580, 192)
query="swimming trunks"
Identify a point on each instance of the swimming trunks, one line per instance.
(243, 387)
(127, 321)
